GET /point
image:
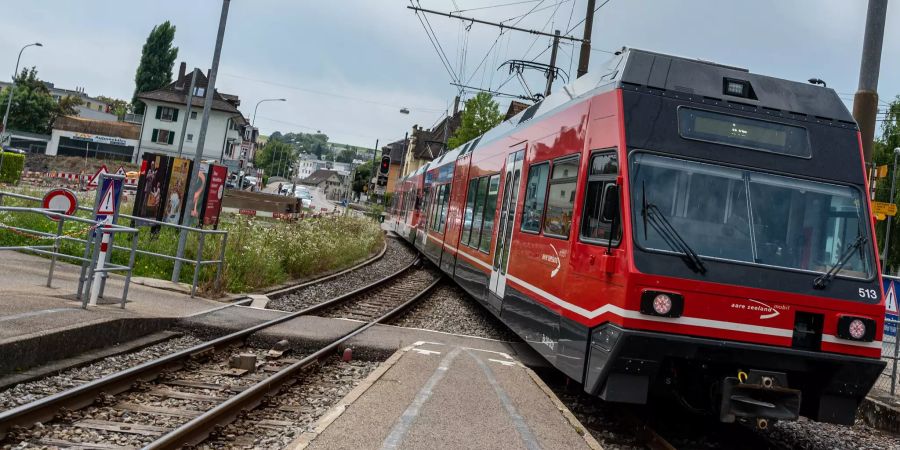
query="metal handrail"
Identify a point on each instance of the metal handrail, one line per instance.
(197, 263)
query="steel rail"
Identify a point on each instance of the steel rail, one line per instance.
(199, 428)
(84, 395)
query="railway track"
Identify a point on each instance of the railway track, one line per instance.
(157, 395)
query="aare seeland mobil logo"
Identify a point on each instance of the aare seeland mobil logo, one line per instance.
(765, 311)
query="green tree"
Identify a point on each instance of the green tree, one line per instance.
(362, 177)
(157, 59)
(480, 115)
(346, 155)
(883, 154)
(117, 106)
(32, 104)
(275, 157)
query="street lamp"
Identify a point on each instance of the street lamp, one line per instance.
(255, 109)
(12, 88)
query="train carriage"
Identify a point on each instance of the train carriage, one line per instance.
(671, 225)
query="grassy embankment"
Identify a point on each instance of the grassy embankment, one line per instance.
(259, 252)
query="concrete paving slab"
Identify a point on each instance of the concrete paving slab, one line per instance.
(40, 323)
(438, 396)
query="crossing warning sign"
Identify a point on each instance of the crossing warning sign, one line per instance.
(108, 197)
(890, 305)
(92, 181)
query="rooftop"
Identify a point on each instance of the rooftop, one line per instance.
(176, 92)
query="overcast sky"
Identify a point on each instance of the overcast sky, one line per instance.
(347, 67)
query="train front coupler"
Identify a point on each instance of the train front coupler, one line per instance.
(759, 395)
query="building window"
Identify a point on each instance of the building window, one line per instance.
(535, 192)
(190, 137)
(163, 136)
(199, 91)
(193, 114)
(89, 105)
(166, 113)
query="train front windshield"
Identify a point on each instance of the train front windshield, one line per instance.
(747, 216)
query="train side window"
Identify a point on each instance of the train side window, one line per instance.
(478, 216)
(561, 198)
(490, 209)
(596, 222)
(470, 208)
(444, 207)
(535, 192)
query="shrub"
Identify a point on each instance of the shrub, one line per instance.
(13, 163)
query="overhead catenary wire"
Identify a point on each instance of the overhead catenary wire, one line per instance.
(436, 45)
(331, 94)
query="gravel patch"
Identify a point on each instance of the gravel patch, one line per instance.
(452, 310)
(397, 256)
(809, 435)
(23, 393)
(300, 406)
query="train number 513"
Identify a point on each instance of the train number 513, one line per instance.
(868, 293)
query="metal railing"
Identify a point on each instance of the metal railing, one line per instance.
(198, 262)
(91, 241)
(890, 377)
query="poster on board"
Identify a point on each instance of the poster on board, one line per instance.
(215, 192)
(179, 174)
(151, 190)
(197, 195)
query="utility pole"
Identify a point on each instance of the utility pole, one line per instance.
(585, 55)
(187, 115)
(865, 102)
(201, 138)
(551, 73)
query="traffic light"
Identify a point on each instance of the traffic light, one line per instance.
(385, 165)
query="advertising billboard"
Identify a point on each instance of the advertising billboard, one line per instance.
(197, 194)
(151, 190)
(178, 186)
(214, 194)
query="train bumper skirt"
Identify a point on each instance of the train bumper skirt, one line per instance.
(624, 364)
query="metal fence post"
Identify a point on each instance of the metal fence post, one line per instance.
(88, 239)
(95, 240)
(59, 229)
(896, 352)
(134, 244)
(197, 265)
(221, 264)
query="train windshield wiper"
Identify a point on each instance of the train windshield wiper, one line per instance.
(652, 215)
(822, 280)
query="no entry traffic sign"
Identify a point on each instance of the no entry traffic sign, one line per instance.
(60, 200)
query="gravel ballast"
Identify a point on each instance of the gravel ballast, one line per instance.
(451, 310)
(397, 256)
(23, 393)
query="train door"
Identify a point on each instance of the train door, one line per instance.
(512, 180)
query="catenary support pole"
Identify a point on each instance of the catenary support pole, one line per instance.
(585, 56)
(551, 73)
(201, 137)
(865, 102)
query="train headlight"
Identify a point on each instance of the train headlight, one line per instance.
(856, 328)
(663, 304)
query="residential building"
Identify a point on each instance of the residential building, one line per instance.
(426, 145)
(166, 111)
(307, 164)
(323, 179)
(91, 107)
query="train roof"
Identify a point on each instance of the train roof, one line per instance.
(691, 78)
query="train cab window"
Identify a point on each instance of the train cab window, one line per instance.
(470, 208)
(535, 192)
(596, 223)
(490, 209)
(561, 198)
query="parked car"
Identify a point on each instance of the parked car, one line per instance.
(14, 150)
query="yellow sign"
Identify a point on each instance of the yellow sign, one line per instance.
(884, 209)
(881, 171)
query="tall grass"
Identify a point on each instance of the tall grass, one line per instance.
(259, 252)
